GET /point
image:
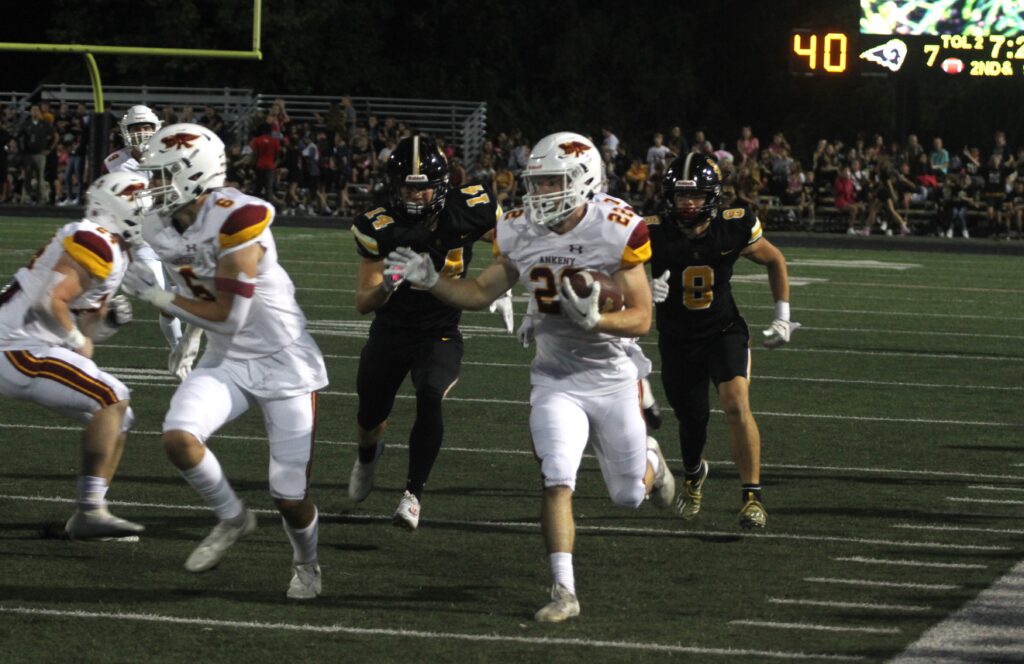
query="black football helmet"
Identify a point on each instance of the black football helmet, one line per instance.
(416, 163)
(692, 175)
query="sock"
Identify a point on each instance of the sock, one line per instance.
(366, 454)
(561, 569)
(652, 459)
(648, 399)
(171, 327)
(751, 491)
(208, 480)
(92, 492)
(304, 541)
(693, 474)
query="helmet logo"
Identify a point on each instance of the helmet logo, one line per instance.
(575, 148)
(714, 165)
(179, 141)
(130, 189)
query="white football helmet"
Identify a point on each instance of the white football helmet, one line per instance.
(569, 156)
(117, 202)
(133, 129)
(183, 161)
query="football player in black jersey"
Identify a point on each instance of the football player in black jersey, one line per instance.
(412, 331)
(702, 337)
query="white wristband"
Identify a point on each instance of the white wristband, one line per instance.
(73, 340)
(782, 310)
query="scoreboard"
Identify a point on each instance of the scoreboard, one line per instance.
(952, 38)
(841, 53)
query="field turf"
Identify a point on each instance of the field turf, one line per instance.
(893, 463)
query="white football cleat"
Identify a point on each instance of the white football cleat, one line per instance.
(408, 513)
(360, 481)
(305, 582)
(100, 524)
(184, 353)
(664, 488)
(224, 534)
(563, 605)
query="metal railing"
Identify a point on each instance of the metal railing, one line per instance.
(462, 123)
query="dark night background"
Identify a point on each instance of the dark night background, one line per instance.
(541, 66)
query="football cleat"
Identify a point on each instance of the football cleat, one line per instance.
(753, 514)
(408, 513)
(224, 534)
(99, 524)
(652, 416)
(664, 488)
(360, 481)
(563, 605)
(305, 582)
(689, 500)
(652, 413)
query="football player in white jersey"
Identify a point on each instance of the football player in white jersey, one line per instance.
(51, 313)
(583, 378)
(219, 243)
(137, 126)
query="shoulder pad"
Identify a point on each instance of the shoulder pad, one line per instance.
(638, 246)
(92, 251)
(514, 213)
(243, 224)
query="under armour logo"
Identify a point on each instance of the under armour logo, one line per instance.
(575, 248)
(191, 248)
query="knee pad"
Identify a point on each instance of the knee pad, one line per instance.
(428, 399)
(289, 468)
(557, 472)
(128, 421)
(628, 495)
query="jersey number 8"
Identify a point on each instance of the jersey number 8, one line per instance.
(698, 281)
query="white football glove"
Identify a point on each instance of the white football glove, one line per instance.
(415, 268)
(781, 329)
(659, 287)
(119, 312)
(581, 310)
(140, 282)
(184, 353)
(503, 305)
(525, 332)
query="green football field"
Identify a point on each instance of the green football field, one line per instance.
(893, 463)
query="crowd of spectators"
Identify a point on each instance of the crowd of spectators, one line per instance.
(333, 164)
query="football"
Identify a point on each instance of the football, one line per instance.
(952, 65)
(611, 295)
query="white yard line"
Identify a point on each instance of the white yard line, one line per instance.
(632, 646)
(882, 584)
(987, 501)
(859, 606)
(759, 377)
(906, 563)
(815, 627)
(581, 526)
(966, 529)
(990, 627)
(855, 470)
(989, 487)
